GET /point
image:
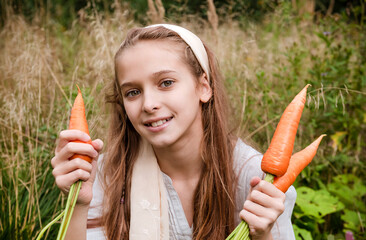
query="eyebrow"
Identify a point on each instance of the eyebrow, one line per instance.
(154, 75)
(127, 84)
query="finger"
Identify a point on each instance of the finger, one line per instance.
(97, 144)
(266, 201)
(54, 162)
(260, 211)
(66, 136)
(269, 189)
(252, 220)
(72, 165)
(256, 224)
(65, 181)
(254, 208)
(77, 148)
(260, 198)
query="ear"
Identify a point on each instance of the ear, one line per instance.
(205, 89)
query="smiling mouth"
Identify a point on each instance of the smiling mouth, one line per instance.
(158, 123)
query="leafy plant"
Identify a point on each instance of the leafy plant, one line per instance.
(311, 208)
(341, 202)
(351, 191)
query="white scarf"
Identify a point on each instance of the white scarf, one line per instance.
(149, 205)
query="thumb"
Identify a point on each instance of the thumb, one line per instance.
(254, 181)
(97, 144)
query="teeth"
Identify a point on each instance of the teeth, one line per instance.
(158, 123)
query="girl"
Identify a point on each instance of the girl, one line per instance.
(172, 169)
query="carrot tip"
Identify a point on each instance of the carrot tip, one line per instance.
(308, 85)
(78, 88)
(321, 136)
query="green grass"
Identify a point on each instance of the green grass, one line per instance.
(265, 64)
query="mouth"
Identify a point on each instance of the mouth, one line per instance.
(158, 123)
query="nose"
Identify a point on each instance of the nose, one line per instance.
(151, 102)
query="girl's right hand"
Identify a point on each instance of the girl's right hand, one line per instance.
(67, 172)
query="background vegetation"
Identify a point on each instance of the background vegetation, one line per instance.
(268, 50)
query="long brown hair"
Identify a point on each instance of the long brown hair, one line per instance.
(214, 198)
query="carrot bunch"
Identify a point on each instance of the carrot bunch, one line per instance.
(78, 122)
(280, 167)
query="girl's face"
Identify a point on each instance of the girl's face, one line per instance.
(161, 96)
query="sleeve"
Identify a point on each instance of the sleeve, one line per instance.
(247, 164)
(95, 209)
(282, 229)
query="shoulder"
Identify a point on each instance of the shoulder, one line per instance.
(246, 158)
(243, 150)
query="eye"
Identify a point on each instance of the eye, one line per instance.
(167, 83)
(132, 93)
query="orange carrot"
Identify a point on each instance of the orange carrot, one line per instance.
(78, 121)
(297, 163)
(276, 159)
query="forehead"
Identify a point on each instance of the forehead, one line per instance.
(149, 56)
(157, 47)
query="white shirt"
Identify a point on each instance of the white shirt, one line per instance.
(247, 163)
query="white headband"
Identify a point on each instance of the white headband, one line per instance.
(193, 42)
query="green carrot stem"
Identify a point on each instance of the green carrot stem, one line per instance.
(69, 209)
(49, 225)
(269, 178)
(244, 232)
(72, 206)
(241, 232)
(66, 214)
(232, 234)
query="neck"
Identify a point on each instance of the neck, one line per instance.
(181, 160)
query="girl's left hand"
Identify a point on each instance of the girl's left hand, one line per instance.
(265, 203)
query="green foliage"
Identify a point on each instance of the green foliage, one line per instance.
(301, 233)
(331, 58)
(353, 221)
(316, 204)
(29, 197)
(341, 203)
(65, 12)
(351, 191)
(340, 68)
(311, 208)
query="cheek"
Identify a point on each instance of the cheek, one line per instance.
(188, 106)
(131, 112)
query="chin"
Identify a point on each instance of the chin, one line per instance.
(161, 143)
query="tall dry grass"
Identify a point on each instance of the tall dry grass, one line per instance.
(40, 63)
(39, 67)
